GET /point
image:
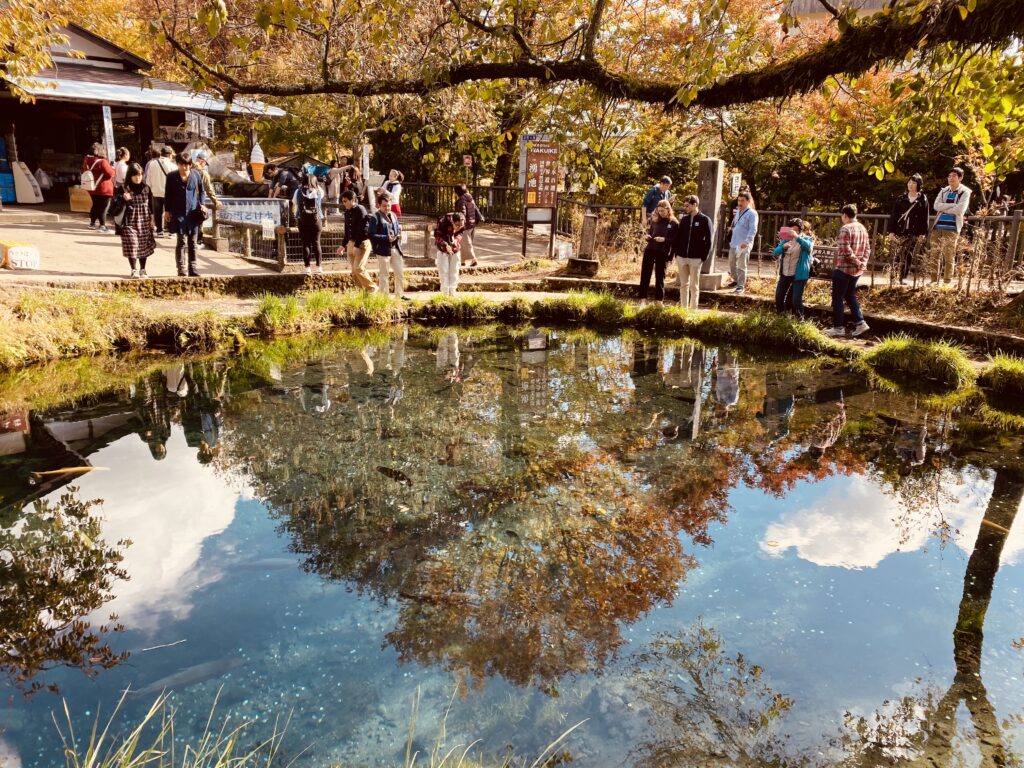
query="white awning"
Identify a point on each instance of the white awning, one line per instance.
(60, 89)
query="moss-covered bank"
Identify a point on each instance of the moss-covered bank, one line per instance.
(40, 326)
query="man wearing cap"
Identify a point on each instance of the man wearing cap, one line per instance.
(657, 193)
(203, 166)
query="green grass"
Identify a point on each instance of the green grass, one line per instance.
(155, 742)
(1003, 380)
(921, 364)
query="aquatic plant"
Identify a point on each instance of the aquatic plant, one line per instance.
(152, 742)
(923, 363)
(1003, 379)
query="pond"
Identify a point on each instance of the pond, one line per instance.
(706, 557)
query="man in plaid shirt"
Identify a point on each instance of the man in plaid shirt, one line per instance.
(852, 253)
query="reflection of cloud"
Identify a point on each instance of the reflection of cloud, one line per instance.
(853, 524)
(167, 509)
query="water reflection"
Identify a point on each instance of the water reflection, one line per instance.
(520, 504)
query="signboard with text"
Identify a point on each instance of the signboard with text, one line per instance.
(542, 174)
(108, 132)
(251, 210)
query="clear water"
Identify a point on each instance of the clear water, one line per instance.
(712, 559)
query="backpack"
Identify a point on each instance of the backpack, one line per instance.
(87, 181)
(307, 207)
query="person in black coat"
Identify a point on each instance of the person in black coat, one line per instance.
(185, 211)
(661, 232)
(908, 228)
(691, 248)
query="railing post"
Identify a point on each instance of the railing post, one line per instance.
(1014, 242)
(282, 246)
(247, 242)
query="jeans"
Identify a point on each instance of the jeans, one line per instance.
(395, 261)
(844, 288)
(448, 271)
(310, 234)
(357, 256)
(738, 260)
(789, 294)
(652, 262)
(158, 214)
(98, 212)
(179, 254)
(689, 282)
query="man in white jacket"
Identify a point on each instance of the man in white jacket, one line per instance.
(951, 206)
(156, 180)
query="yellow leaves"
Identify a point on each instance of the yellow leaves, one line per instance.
(963, 12)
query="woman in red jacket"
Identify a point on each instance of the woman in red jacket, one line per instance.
(103, 177)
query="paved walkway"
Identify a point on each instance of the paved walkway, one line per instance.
(70, 251)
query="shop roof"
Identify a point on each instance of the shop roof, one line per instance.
(82, 83)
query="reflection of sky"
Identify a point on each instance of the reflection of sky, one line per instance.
(216, 573)
(167, 509)
(853, 523)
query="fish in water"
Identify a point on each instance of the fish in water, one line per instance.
(395, 474)
(199, 673)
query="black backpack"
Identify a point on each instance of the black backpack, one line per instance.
(307, 207)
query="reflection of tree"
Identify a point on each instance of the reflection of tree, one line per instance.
(904, 736)
(55, 570)
(708, 709)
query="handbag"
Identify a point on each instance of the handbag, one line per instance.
(119, 210)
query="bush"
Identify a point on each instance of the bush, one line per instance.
(924, 363)
(1004, 380)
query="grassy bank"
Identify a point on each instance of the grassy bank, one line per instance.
(1003, 379)
(39, 326)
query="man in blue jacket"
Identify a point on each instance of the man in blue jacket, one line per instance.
(385, 234)
(185, 211)
(657, 193)
(744, 230)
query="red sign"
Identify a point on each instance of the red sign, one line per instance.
(467, 160)
(542, 174)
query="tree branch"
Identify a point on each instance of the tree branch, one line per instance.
(593, 28)
(878, 39)
(830, 8)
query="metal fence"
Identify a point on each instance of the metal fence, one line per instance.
(501, 205)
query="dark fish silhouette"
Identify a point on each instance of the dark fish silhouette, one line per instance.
(394, 474)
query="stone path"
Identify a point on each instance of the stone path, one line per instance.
(71, 252)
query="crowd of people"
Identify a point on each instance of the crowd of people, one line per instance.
(171, 195)
(689, 240)
(174, 195)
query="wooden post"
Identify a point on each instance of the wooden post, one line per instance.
(551, 234)
(247, 242)
(282, 246)
(427, 241)
(1014, 242)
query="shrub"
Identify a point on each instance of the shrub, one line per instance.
(924, 363)
(1004, 380)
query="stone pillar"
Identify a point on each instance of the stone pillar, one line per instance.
(709, 190)
(586, 264)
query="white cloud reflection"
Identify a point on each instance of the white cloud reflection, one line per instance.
(852, 523)
(167, 509)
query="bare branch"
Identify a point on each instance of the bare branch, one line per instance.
(830, 8)
(593, 28)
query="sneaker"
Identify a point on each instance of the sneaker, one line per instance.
(142, 273)
(835, 332)
(737, 289)
(319, 270)
(104, 229)
(309, 271)
(135, 273)
(859, 328)
(92, 226)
